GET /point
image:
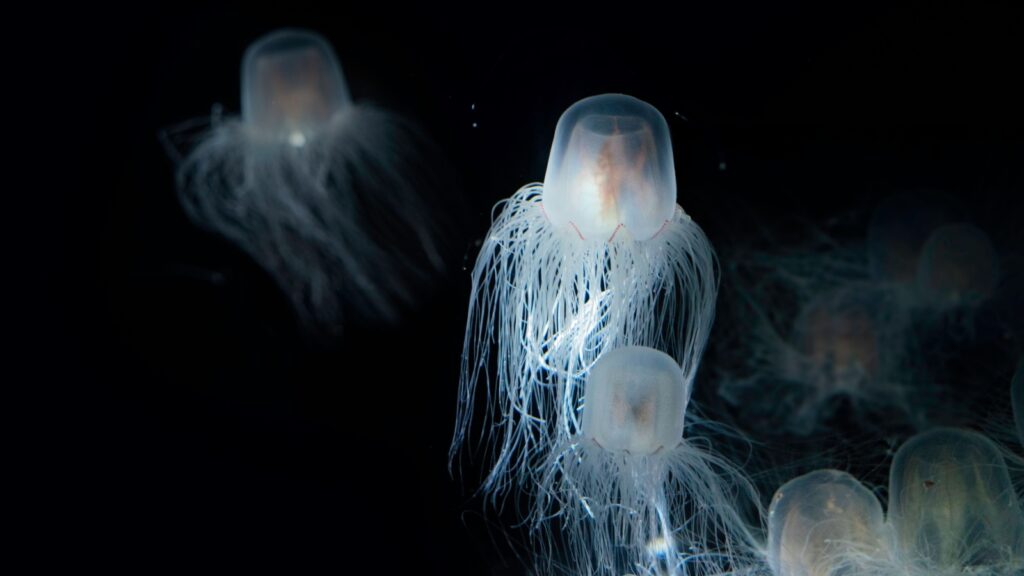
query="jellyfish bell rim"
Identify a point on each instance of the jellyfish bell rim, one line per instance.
(289, 37)
(586, 114)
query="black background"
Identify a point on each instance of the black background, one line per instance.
(188, 425)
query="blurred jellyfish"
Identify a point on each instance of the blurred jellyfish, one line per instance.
(826, 523)
(599, 256)
(325, 194)
(1017, 391)
(630, 493)
(897, 231)
(838, 348)
(952, 506)
(957, 267)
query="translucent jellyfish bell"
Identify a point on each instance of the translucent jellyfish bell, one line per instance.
(825, 523)
(636, 401)
(291, 84)
(633, 496)
(952, 504)
(611, 166)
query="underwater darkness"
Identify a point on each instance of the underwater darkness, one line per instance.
(192, 425)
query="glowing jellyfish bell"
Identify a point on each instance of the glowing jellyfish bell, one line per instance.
(599, 256)
(952, 505)
(291, 85)
(331, 197)
(825, 523)
(611, 167)
(632, 495)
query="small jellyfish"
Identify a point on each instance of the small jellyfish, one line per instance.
(826, 523)
(329, 196)
(957, 267)
(630, 493)
(598, 256)
(952, 505)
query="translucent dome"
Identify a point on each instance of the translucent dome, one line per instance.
(635, 401)
(610, 166)
(291, 84)
(951, 502)
(823, 522)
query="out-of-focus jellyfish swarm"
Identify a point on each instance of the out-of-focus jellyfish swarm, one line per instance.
(952, 506)
(599, 256)
(631, 495)
(826, 523)
(324, 193)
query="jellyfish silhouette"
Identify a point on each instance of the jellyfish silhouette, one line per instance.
(952, 506)
(598, 256)
(957, 267)
(630, 493)
(827, 523)
(897, 231)
(329, 196)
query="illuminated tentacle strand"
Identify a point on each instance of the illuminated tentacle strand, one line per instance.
(552, 303)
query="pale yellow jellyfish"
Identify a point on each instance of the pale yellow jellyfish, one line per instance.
(826, 523)
(952, 506)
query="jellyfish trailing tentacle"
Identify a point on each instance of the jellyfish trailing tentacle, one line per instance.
(629, 493)
(599, 256)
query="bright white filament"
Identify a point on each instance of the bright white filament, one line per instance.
(550, 296)
(629, 494)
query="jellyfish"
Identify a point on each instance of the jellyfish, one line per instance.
(630, 493)
(952, 506)
(838, 350)
(957, 267)
(826, 523)
(897, 231)
(598, 256)
(329, 196)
